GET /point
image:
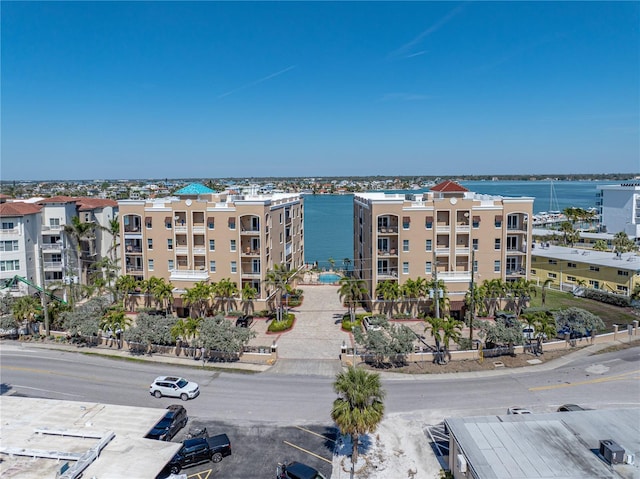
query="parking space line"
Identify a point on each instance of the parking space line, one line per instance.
(308, 452)
(315, 433)
(198, 475)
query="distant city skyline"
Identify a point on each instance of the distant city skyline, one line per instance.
(120, 90)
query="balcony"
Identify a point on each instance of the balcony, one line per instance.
(182, 228)
(462, 227)
(53, 265)
(443, 249)
(10, 231)
(388, 252)
(388, 230)
(250, 252)
(517, 272)
(51, 247)
(249, 272)
(443, 228)
(462, 250)
(387, 274)
(250, 231)
(199, 250)
(188, 275)
(183, 249)
(133, 269)
(198, 228)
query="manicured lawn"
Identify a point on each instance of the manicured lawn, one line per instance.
(608, 313)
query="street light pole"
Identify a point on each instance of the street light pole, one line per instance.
(43, 295)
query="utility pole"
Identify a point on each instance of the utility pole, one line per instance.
(436, 290)
(473, 304)
(43, 294)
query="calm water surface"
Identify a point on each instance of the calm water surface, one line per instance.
(328, 221)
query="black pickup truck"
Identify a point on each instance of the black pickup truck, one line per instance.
(199, 450)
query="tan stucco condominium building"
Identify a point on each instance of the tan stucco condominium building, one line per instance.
(201, 235)
(442, 234)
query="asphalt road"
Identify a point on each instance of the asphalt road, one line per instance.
(272, 418)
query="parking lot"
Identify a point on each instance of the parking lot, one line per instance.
(257, 449)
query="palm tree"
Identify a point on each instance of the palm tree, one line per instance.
(248, 294)
(117, 321)
(411, 291)
(352, 291)
(187, 330)
(346, 262)
(80, 233)
(126, 285)
(545, 286)
(435, 325)
(545, 327)
(162, 292)
(522, 291)
(226, 289)
(197, 297)
(279, 278)
(359, 407)
(390, 292)
(25, 309)
(438, 292)
(451, 331)
(494, 290)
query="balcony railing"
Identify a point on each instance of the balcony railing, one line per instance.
(462, 250)
(387, 252)
(199, 250)
(253, 231)
(198, 228)
(49, 247)
(188, 275)
(387, 229)
(133, 269)
(387, 274)
(52, 228)
(182, 249)
(49, 265)
(251, 252)
(10, 231)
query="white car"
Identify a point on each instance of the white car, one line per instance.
(172, 386)
(518, 410)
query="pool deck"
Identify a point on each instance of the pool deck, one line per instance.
(315, 277)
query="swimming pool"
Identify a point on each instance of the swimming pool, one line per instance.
(328, 278)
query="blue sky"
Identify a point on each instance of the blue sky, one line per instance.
(111, 90)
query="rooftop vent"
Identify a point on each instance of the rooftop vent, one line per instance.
(611, 451)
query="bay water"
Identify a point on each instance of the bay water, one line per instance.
(328, 220)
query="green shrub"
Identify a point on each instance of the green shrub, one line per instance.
(286, 323)
(264, 313)
(235, 313)
(606, 297)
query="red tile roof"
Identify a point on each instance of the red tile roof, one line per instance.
(83, 203)
(448, 186)
(58, 199)
(18, 208)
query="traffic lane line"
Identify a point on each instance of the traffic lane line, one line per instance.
(307, 452)
(619, 377)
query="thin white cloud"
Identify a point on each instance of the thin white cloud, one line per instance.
(256, 82)
(405, 51)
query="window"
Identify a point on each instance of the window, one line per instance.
(498, 221)
(594, 268)
(212, 245)
(622, 289)
(7, 225)
(533, 271)
(406, 221)
(552, 275)
(234, 267)
(405, 267)
(427, 267)
(476, 222)
(233, 245)
(475, 266)
(572, 265)
(623, 273)
(150, 265)
(571, 278)
(149, 243)
(210, 223)
(281, 237)
(496, 266)
(496, 244)
(10, 265)
(148, 224)
(428, 245)
(167, 223)
(594, 284)
(212, 266)
(170, 265)
(428, 222)
(54, 222)
(474, 243)
(553, 261)
(232, 223)
(405, 245)
(9, 245)
(170, 243)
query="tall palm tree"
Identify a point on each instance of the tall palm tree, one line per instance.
(126, 285)
(346, 262)
(390, 292)
(187, 329)
(352, 291)
(162, 291)
(521, 289)
(25, 309)
(435, 326)
(226, 290)
(494, 290)
(279, 279)
(410, 292)
(359, 407)
(451, 331)
(545, 286)
(248, 294)
(438, 291)
(197, 297)
(80, 234)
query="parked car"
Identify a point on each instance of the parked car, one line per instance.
(570, 407)
(175, 419)
(172, 386)
(199, 450)
(244, 321)
(518, 410)
(297, 470)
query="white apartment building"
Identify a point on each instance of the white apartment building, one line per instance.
(619, 208)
